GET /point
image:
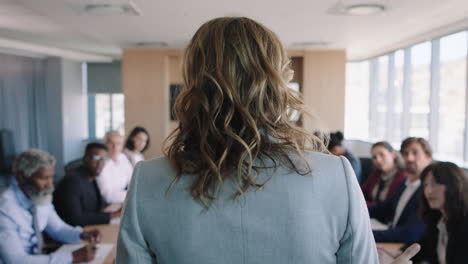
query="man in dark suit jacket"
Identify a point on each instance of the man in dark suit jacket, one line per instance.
(77, 198)
(401, 210)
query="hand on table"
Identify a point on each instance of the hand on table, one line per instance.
(116, 214)
(92, 236)
(84, 254)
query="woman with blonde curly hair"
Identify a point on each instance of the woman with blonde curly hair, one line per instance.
(239, 182)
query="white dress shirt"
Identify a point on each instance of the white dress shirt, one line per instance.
(17, 231)
(442, 241)
(410, 189)
(114, 179)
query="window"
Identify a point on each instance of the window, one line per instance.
(382, 94)
(420, 90)
(453, 52)
(395, 132)
(378, 102)
(106, 112)
(357, 100)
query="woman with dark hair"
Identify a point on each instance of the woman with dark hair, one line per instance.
(388, 174)
(137, 143)
(335, 146)
(237, 184)
(444, 209)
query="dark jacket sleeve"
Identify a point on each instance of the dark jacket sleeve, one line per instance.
(409, 227)
(69, 206)
(385, 210)
(408, 232)
(428, 244)
(457, 244)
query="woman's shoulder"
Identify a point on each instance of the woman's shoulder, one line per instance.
(320, 156)
(157, 165)
(316, 160)
(159, 169)
(322, 163)
(131, 153)
(127, 152)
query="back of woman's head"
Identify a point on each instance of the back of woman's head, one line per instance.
(336, 139)
(456, 193)
(234, 107)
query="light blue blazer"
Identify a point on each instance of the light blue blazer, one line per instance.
(320, 218)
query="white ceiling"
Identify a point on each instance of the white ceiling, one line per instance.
(60, 25)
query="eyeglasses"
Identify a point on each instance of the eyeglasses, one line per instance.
(98, 158)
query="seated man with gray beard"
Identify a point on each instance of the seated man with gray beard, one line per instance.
(26, 211)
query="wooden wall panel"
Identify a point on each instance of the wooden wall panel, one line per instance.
(145, 82)
(324, 89)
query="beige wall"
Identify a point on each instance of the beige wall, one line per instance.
(147, 73)
(145, 76)
(324, 89)
(175, 69)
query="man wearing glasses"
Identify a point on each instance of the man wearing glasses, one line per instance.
(77, 198)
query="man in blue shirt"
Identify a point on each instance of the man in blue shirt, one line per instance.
(26, 211)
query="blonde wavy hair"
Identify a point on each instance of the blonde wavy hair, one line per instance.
(234, 109)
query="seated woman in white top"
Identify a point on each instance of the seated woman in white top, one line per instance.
(237, 184)
(137, 143)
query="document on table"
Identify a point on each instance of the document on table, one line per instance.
(376, 225)
(101, 253)
(115, 221)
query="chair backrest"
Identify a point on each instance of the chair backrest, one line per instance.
(7, 150)
(367, 168)
(359, 148)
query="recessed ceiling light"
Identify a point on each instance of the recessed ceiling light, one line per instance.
(112, 9)
(146, 45)
(364, 9)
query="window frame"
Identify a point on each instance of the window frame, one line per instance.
(434, 96)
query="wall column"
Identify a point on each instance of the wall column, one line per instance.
(324, 89)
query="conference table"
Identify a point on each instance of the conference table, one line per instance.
(392, 247)
(110, 235)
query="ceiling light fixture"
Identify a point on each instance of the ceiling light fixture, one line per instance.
(104, 9)
(364, 9)
(357, 9)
